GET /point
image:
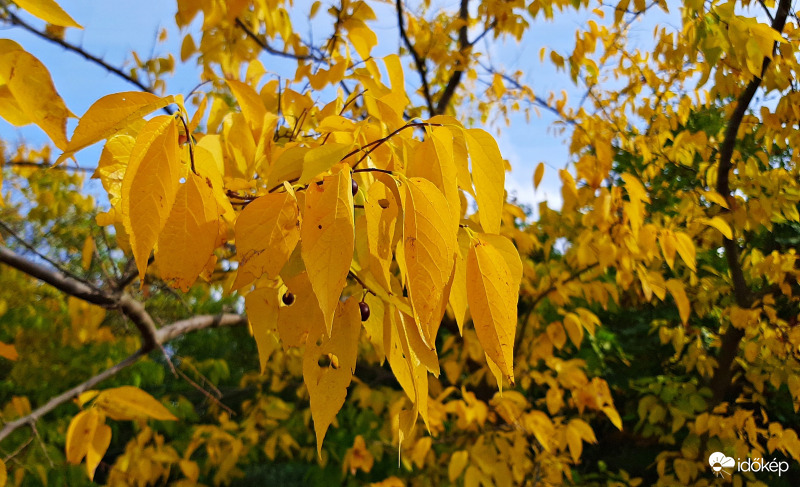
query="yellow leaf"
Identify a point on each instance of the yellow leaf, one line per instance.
(422, 353)
(267, 232)
(572, 324)
(382, 210)
(458, 291)
(49, 11)
(150, 185)
(131, 403)
(3, 473)
(321, 159)
(374, 326)
(434, 160)
(675, 288)
(720, 225)
(112, 165)
(10, 110)
(537, 175)
(539, 424)
(190, 233)
(97, 448)
(492, 297)
(429, 251)
(80, 433)
(109, 115)
(327, 384)
(251, 104)
(189, 469)
(295, 320)
(87, 252)
(638, 196)
(457, 463)
(8, 351)
(29, 82)
(327, 238)
(363, 40)
(685, 248)
(574, 443)
(488, 175)
(262, 313)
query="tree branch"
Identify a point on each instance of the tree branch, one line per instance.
(741, 291)
(418, 61)
(266, 47)
(44, 165)
(162, 336)
(463, 46)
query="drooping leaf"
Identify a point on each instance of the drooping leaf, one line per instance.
(97, 448)
(492, 300)
(488, 176)
(262, 313)
(131, 403)
(267, 232)
(381, 209)
(80, 434)
(151, 182)
(328, 365)
(429, 251)
(327, 238)
(29, 82)
(190, 233)
(295, 320)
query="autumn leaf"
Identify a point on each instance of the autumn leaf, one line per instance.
(537, 175)
(295, 320)
(267, 231)
(382, 211)
(336, 349)
(49, 11)
(81, 433)
(328, 239)
(429, 251)
(492, 298)
(150, 185)
(28, 82)
(97, 448)
(488, 176)
(262, 313)
(131, 403)
(109, 115)
(190, 233)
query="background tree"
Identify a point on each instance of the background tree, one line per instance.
(365, 232)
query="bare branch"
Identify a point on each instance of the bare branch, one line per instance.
(262, 43)
(162, 336)
(463, 46)
(60, 399)
(418, 61)
(46, 166)
(741, 291)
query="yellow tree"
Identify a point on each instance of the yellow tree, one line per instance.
(334, 200)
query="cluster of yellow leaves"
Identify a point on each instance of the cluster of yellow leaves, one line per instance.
(338, 202)
(88, 434)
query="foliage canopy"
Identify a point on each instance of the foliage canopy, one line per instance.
(411, 324)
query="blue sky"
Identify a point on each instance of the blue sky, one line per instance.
(113, 29)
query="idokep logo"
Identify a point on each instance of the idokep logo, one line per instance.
(723, 465)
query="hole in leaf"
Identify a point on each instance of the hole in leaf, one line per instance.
(182, 180)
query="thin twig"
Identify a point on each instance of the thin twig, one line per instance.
(266, 47)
